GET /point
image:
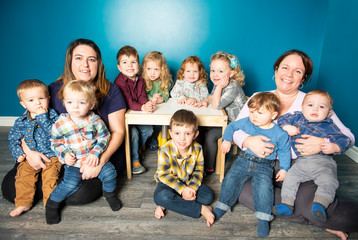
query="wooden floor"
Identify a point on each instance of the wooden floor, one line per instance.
(136, 219)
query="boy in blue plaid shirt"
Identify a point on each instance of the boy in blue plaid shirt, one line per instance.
(321, 168)
(34, 128)
(80, 137)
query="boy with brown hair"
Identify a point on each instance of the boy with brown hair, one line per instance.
(34, 128)
(180, 171)
(132, 87)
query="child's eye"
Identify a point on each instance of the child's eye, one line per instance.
(322, 107)
(30, 100)
(124, 62)
(82, 103)
(68, 102)
(310, 105)
(134, 62)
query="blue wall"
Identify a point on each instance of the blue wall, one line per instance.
(35, 35)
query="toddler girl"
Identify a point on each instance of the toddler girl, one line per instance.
(190, 87)
(78, 138)
(227, 77)
(158, 80)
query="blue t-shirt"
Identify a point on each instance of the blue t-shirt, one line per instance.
(278, 137)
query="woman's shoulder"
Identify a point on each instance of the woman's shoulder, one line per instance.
(55, 86)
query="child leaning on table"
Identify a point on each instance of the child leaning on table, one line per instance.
(79, 137)
(190, 86)
(133, 88)
(321, 168)
(180, 171)
(34, 127)
(158, 81)
(264, 109)
(227, 94)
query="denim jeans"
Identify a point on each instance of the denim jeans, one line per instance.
(170, 199)
(139, 135)
(260, 171)
(72, 181)
(153, 140)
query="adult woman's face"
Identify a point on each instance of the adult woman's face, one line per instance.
(289, 74)
(84, 64)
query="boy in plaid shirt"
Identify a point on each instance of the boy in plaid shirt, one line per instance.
(34, 128)
(80, 137)
(180, 171)
(321, 168)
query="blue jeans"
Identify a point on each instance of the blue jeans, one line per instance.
(168, 198)
(153, 140)
(260, 171)
(72, 181)
(139, 135)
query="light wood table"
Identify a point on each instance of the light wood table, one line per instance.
(161, 116)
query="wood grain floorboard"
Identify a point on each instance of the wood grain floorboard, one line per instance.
(136, 219)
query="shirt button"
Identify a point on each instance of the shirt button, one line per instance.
(38, 118)
(38, 126)
(30, 140)
(32, 121)
(29, 130)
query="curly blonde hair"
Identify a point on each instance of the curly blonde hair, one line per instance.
(229, 58)
(203, 76)
(165, 78)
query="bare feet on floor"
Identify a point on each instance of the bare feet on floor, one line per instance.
(207, 212)
(17, 211)
(340, 234)
(159, 212)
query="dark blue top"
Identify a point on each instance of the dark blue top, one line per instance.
(323, 129)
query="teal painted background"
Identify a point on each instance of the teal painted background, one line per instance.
(35, 35)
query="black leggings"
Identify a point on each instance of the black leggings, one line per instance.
(342, 214)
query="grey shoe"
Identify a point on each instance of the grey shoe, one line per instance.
(138, 169)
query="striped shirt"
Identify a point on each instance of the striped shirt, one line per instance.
(88, 137)
(178, 172)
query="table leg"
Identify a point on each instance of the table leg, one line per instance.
(128, 152)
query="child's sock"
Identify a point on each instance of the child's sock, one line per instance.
(263, 228)
(52, 212)
(282, 209)
(218, 213)
(319, 212)
(112, 200)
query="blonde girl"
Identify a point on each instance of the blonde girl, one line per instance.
(157, 77)
(190, 87)
(158, 81)
(227, 94)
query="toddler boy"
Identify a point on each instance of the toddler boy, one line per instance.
(313, 120)
(264, 109)
(34, 128)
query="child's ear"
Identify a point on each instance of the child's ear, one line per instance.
(170, 133)
(196, 134)
(329, 113)
(274, 115)
(23, 104)
(93, 105)
(119, 67)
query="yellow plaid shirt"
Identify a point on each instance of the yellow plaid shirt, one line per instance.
(178, 172)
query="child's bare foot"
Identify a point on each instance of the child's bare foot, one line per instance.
(159, 212)
(340, 234)
(206, 211)
(17, 211)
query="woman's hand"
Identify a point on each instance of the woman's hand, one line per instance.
(259, 145)
(89, 172)
(309, 145)
(34, 158)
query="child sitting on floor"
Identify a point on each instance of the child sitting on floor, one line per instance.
(180, 171)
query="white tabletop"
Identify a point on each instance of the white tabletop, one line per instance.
(171, 106)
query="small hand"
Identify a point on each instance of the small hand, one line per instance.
(91, 160)
(182, 101)
(225, 146)
(21, 158)
(41, 110)
(189, 194)
(330, 148)
(224, 82)
(191, 101)
(291, 130)
(280, 176)
(70, 158)
(201, 104)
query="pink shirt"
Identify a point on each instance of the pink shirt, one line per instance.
(240, 136)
